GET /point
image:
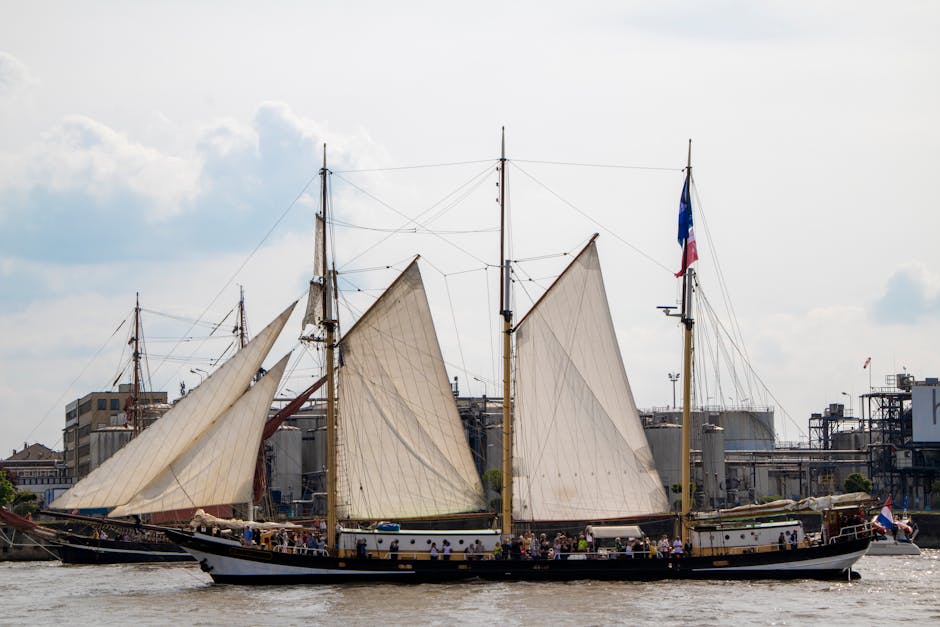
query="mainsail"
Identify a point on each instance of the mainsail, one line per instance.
(135, 466)
(213, 470)
(401, 448)
(579, 451)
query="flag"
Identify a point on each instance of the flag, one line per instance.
(867, 361)
(885, 518)
(686, 232)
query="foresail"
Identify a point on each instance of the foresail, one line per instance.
(401, 447)
(129, 470)
(218, 468)
(579, 451)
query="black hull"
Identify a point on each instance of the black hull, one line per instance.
(240, 565)
(77, 549)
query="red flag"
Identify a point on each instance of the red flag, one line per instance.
(867, 361)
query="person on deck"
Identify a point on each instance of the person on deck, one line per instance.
(393, 550)
(433, 553)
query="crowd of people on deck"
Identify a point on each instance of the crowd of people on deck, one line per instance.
(310, 540)
(527, 546)
(583, 546)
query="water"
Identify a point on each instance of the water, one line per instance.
(891, 588)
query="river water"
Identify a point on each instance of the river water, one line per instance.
(892, 589)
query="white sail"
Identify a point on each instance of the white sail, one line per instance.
(579, 451)
(129, 470)
(319, 296)
(213, 470)
(401, 447)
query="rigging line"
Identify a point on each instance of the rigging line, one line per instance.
(722, 283)
(414, 231)
(468, 271)
(600, 165)
(244, 263)
(595, 222)
(415, 167)
(390, 266)
(202, 323)
(747, 365)
(542, 257)
(411, 220)
(490, 318)
(453, 315)
(58, 401)
(715, 319)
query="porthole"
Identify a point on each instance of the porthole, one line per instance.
(380, 540)
(412, 540)
(727, 537)
(429, 540)
(461, 542)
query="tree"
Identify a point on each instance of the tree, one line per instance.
(857, 482)
(24, 503)
(493, 480)
(7, 491)
(20, 502)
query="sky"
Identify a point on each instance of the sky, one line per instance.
(172, 149)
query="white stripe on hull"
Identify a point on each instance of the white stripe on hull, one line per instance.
(100, 549)
(836, 562)
(238, 567)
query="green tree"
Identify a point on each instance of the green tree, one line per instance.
(493, 480)
(7, 491)
(24, 503)
(857, 482)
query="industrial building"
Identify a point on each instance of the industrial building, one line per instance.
(96, 426)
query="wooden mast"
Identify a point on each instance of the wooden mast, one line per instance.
(506, 313)
(687, 322)
(242, 319)
(135, 393)
(329, 325)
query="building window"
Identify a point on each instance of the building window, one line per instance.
(102, 403)
(115, 404)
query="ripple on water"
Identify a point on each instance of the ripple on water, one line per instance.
(48, 592)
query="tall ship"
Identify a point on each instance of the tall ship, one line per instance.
(573, 450)
(191, 457)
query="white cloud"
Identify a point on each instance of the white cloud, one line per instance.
(911, 294)
(15, 77)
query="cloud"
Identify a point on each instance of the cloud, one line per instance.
(911, 294)
(86, 193)
(15, 77)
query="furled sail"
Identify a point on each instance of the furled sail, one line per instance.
(318, 301)
(133, 467)
(579, 451)
(213, 470)
(401, 447)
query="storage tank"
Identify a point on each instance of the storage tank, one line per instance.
(105, 442)
(286, 462)
(665, 441)
(713, 465)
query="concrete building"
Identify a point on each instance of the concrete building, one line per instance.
(37, 469)
(98, 412)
